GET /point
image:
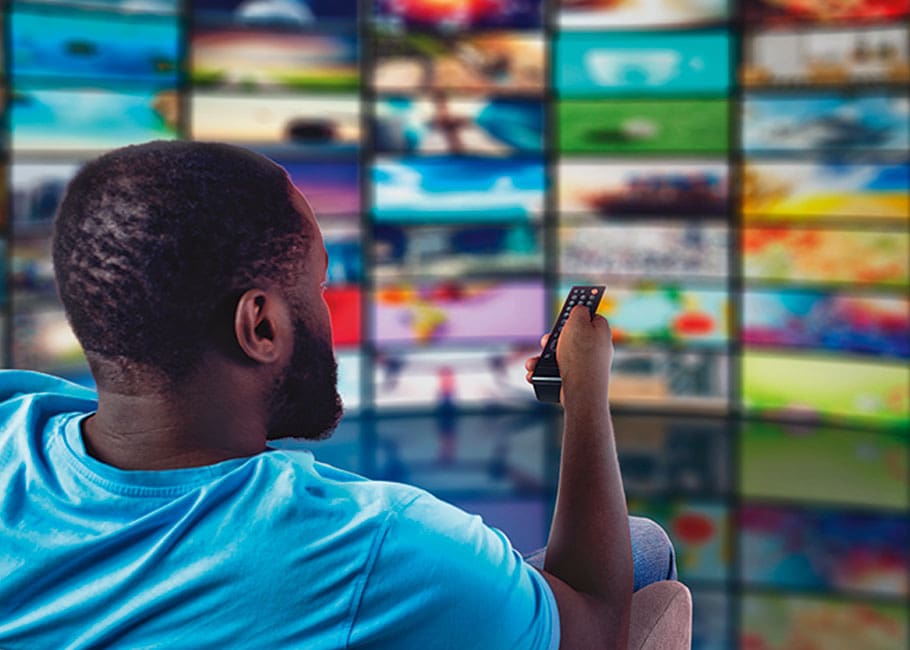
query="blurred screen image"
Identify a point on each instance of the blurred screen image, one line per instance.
(332, 187)
(665, 251)
(167, 7)
(849, 192)
(878, 325)
(343, 243)
(344, 306)
(456, 251)
(658, 189)
(853, 553)
(700, 532)
(672, 455)
(669, 314)
(290, 15)
(798, 463)
(43, 341)
(251, 61)
(31, 271)
(448, 17)
(458, 312)
(457, 189)
(441, 124)
(68, 48)
(666, 379)
(597, 14)
(37, 191)
(484, 453)
(786, 12)
(878, 54)
(493, 62)
(597, 64)
(45, 120)
(349, 381)
(818, 388)
(781, 622)
(636, 126)
(280, 125)
(811, 255)
(826, 123)
(405, 378)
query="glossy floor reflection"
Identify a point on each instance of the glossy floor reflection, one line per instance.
(790, 536)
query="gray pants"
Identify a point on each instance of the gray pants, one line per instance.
(652, 553)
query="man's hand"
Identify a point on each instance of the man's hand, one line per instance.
(584, 354)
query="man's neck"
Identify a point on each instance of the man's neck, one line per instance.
(199, 425)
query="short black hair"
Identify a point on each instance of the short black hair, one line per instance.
(153, 244)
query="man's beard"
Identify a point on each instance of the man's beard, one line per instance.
(305, 401)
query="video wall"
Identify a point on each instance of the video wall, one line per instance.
(736, 173)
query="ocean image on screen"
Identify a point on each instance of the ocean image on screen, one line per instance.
(458, 189)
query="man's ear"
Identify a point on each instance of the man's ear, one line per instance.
(262, 325)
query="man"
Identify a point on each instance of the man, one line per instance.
(156, 515)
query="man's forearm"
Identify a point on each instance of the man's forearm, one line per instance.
(589, 546)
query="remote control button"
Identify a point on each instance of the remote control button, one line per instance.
(594, 292)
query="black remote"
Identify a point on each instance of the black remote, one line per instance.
(545, 378)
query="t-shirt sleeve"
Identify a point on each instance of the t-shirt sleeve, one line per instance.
(440, 578)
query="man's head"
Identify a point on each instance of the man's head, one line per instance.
(168, 252)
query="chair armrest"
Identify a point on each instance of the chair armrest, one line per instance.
(661, 617)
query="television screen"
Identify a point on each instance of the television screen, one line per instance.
(485, 453)
(669, 314)
(458, 312)
(120, 6)
(344, 244)
(664, 455)
(279, 125)
(842, 321)
(614, 63)
(252, 61)
(441, 124)
(690, 380)
(37, 191)
(826, 57)
(711, 618)
(802, 387)
(828, 123)
(405, 378)
(655, 189)
(491, 62)
(285, 14)
(458, 189)
(344, 307)
(655, 250)
(32, 271)
(45, 120)
(456, 251)
(833, 551)
(784, 190)
(699, 530)
(786, 12)
(811, 255)
(349, 380)
(332, 187)
(43, 341)
(821, 464)
(636, 126)
(784, 621)
(598, 14)
(448, 17)
(126, 49)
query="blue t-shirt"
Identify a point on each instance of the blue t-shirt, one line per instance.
(272, 551)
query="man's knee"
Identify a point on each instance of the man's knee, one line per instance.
(650, 541)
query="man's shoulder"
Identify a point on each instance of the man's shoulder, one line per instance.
(28, 384)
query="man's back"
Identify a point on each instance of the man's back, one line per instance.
(267, 551)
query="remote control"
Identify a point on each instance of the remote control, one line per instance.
(545, 378)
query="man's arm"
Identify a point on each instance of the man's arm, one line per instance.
(589, 555)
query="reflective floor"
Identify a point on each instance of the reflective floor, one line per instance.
(790, 536)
